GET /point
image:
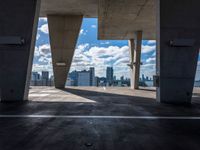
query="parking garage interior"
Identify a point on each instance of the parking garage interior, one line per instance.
(100, 118)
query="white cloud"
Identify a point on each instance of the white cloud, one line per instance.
(83, 32)
(36, 51)
(44, 28)
(148, 48)
(105, 43)
(43, 67)
(154, 54)
(94, 26)
(100, 58)
(38, 36)
(151, 60)
(43, 19)
(44, 50)
(150, 42)
(43, 54)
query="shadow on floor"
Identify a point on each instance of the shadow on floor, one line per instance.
(104, 97)
(105, 104)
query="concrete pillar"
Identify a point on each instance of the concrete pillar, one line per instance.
(63, 31)
(131, 53)
(178, 39)
(135, 46)
(18, 26)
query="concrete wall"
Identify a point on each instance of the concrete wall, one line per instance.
(18, 19)
(178, 21)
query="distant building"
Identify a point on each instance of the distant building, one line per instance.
(74, 77)
(96, 81)
(45, 75)
(41, 80)
(70, 82)
(109, 75)
(92, 76)
(114, 78)
(45, 78)
(35, 76)
(102, 81)
(143, 77)
(122, 78)
(84, 78)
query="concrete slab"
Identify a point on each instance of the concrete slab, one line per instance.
(88, 8)
(117, 19)
(100, 133)
(121, 19)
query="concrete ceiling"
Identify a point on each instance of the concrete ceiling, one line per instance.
(88, 8)
(117, 19)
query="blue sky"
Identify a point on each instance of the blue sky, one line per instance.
(91, 52)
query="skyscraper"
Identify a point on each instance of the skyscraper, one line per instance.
(84, 78)
(92, 76)
(45, 77)
(35, 76)
(109, 75)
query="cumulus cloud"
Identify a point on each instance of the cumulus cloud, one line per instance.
(43, 54)
(100, 58)
(148, 48)
(38, 36)
(83, 32)
(94, 26)
(151, 60)
(151, 42)
(43, 67)
(105, 43)
(96, 56)
(44, 28)
(43, 19)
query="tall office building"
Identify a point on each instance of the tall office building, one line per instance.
(45, 78)
(109, 75)
(74, 76)
(84, 78)
(143, 77)
(35, 76)
(92, 76)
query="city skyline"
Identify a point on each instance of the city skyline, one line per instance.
(91, 52)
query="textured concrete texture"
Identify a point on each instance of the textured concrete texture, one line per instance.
(64, 32)
(88, 8)
(18, 19)
(121, 19)
(176, 64)
(135, 48)
(117, 19)
(98, 133)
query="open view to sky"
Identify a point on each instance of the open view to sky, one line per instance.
(91, 52)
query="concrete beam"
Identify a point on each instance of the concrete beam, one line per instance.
(119, 20)
(135, 57)
(178, 39)
(63, 31)
(18, 26)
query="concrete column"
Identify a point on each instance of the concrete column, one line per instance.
(18, 26)
(131, 53)
(178, 39)
(135, 58)
(63, 31)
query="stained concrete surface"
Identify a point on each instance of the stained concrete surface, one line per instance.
(98, 134)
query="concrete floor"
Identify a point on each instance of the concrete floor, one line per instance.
(98, 119)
